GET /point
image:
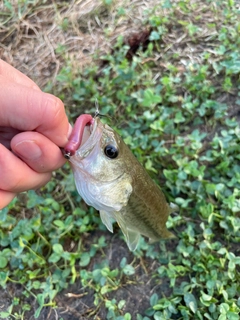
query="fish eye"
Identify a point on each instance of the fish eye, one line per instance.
(111, 151)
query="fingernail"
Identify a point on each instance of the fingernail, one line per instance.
(28, 149)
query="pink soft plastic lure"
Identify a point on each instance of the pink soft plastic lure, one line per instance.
(75, 138)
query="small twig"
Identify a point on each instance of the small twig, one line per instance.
(73, 295)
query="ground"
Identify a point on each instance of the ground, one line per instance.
(73, 50)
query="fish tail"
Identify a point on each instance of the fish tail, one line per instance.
(164, 235)
(168, 235)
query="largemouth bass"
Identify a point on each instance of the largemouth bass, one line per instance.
(110, 178)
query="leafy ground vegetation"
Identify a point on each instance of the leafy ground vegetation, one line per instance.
(176, 103)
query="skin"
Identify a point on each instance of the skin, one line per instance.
(33, 125)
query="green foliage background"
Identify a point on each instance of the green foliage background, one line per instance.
(180, 117)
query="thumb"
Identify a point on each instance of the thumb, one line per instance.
(37, 151)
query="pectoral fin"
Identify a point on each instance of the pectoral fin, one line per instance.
(132, 237)
(107, 219)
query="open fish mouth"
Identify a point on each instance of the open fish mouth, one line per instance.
(91, 134)
(88, 129)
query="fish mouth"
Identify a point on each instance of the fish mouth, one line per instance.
(88, 129)
(91, 134)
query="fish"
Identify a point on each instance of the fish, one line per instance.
(111, 179)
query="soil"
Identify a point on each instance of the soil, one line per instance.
(77, 302)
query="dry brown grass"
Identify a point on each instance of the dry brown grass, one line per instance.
(30, 40)
(31, 36)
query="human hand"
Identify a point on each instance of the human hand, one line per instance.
(33, 125)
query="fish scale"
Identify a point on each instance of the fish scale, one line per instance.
(135, 216)
(148, 204)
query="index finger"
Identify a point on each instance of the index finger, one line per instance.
(26, 109)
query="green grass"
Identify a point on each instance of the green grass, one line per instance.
(177, 107)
